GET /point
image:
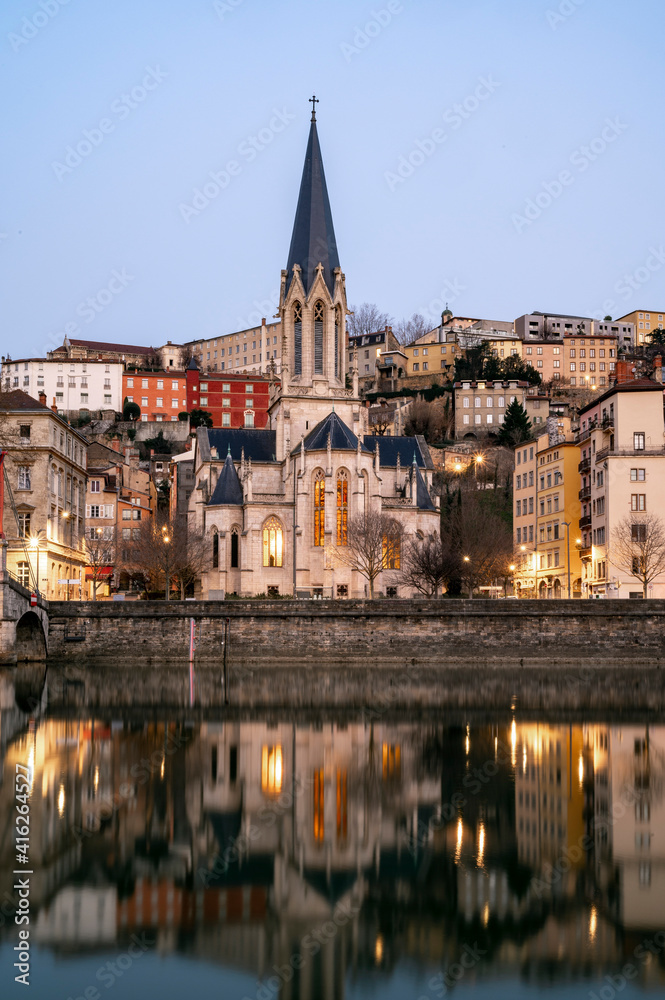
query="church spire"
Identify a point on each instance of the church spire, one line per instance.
(313, 239)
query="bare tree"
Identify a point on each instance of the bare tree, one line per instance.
(427, 418)
(100, 553)
(484, 542)
(429, 563)
(366, 318)
(165, 550)
(374, 543)
(638, 547)
(409, 330)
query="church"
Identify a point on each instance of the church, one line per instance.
(276, 503)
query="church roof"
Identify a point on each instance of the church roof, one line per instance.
(341, 438)
(259, 445)
(192, 366)
(423, 498)
(390, 446)
(313, 239)
(228, 489)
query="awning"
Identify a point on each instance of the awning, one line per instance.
(103, 571)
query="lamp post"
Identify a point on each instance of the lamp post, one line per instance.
(567, 524)
(35, 539)
(166, 539)
(468, 561)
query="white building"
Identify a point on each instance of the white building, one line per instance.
(74, 385)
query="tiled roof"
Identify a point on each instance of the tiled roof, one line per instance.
(94, 345)
(19, 400)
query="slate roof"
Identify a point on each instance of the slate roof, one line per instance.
(390, 446)
(313, 239)
(228, 490)
(259, 445)
(341, 438)
(423, 499)
(192, 366)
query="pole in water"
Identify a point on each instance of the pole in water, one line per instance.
(226, 661)
(192, 647)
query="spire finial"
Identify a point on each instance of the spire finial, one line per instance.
(314, 101)
(229, 449)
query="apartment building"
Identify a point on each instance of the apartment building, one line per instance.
(75, 387)
(46, 464)
(244, 351)
(161, 395)
(539, 326)
(644, 323)
(230, 399)
(480, 406)
(622, 470)
(93, 350)
(586, 361)
(372, 348)
(546, 514)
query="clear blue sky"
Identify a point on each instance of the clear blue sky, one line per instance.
(222, 72)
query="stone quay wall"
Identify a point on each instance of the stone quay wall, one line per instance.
(360, 633)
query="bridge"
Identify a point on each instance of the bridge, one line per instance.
(24, 626)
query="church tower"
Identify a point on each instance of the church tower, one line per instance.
(313, 309)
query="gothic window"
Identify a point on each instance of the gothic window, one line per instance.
(318, 338)
(392, 547)
(319, 508)
(338, 325)
(342, 507)
(271, 770)
(297, 338)
(318, 806)
(215, 550)
(235, 547)
(273, 543)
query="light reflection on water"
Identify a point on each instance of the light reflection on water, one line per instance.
(339, 858)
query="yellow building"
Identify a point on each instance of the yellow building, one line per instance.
(645, 321)
(546, 514)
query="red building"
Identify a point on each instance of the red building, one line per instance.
(231, 400)
(160, 395)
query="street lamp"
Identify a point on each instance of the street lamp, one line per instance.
(166, 539)
(35, 540)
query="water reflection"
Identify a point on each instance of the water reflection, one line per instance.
(343, 852)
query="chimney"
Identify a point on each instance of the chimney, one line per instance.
(115, 444)
(658, 368)
(263, 321)
(623, 372)
(54, 405)
(42, 397)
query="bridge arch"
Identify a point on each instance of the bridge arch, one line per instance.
(30, 638)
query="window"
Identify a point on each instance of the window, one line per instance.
(249, 389)
(273, 542)
(342, 507)
(174, 383)
(95, 486)
(318, 819)
(203, 387)
(466, 402)
(95, 510)
(24, 525)
(226, 387)
(638, 441)
(416, 366)
(215, 550)
(174, 404)
(638, 532)
(126, 514)
(23, 574)
(318, 338)
(126, 533)
(272, 770)
(226, 419)
(319, 508)
(392, 546)
(637, 475)
(638, 501)
(392, 761)
(144, 400)
(160, 383)
(477, 401)
(235, 548)
(203, 401)
(249, 419)
(24, 477)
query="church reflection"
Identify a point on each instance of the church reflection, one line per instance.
(352, 846)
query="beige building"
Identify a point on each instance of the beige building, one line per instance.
(546, 513)
(46, 468)
(539, 326)
(622, 476)
(243, 352)
(587, 361)
(480, 406)
(644, 323)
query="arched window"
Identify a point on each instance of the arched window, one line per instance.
(215, 550)
(392, 549)
(318, 338)
(338, 327)
(319, 508)
(342, 507)
(235, 547)
(297, 339)
(273, 542)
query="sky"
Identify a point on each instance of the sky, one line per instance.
(498, 156)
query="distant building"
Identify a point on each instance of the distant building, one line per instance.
(46, 468)
(549, 326)
(161, 395)
(644, 323)
(587, 361)
(75, 387)
(370, 347)
(480, 406)
(243, 352)
(231, 400)
(88, 350)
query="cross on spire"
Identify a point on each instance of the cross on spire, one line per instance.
(314, 101)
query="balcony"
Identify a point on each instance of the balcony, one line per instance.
(584, 465)
(607, 422)
(585, 492)
(585, 522)
(585, 552)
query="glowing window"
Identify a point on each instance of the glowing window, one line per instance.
(342, 507)
(273, 543)
(271, 770)
(319, 508)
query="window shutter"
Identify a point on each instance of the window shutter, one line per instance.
(108, 510)
(87, 510)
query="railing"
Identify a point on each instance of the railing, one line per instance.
(585, 521)
(607, 423)
(584, 465)
(585, 552)
(585, 493)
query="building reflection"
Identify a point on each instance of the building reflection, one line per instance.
(351, 846)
